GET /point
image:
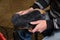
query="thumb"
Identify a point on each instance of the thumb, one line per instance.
(35, 22)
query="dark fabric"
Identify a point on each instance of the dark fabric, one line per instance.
(22, 35)
(43, 3)
(55, 5)
(50, 28)
(58, 22)
(55, 8)
(24, 21)
(35, 6)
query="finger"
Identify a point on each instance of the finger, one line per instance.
(35, 29)
(35, 22)
(40, 31)
(20, 12)
(30, 30)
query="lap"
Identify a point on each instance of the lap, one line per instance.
(56, 36)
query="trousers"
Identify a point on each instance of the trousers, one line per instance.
(22, 35)
(55, 36)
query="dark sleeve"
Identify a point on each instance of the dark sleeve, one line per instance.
(40, 4)
(50, 26)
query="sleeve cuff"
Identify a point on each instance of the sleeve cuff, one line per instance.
(50, 28)
(50, 24)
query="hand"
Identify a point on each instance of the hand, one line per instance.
(40, 27)
(24, 11)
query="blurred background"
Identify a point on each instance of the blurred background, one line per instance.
(7, 9)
